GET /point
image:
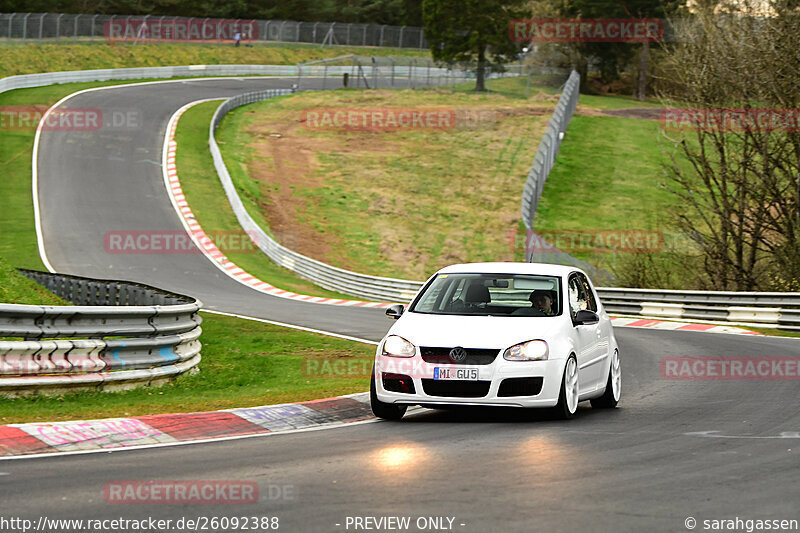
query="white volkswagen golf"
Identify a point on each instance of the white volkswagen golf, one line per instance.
(502, 334)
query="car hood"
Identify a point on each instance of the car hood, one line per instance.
(474, 331)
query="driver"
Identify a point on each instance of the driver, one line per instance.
(543, 302)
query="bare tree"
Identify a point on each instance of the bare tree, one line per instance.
(737, 177)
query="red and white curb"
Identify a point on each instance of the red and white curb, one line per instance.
(110, 434)
(207, 246)
(628, 322)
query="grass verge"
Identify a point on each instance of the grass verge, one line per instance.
(17, 289)
(398, 202)
(245, 363)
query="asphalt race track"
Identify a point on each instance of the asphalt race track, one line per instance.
(672, 450)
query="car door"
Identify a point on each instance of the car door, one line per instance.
(603, 328)
(587, 336)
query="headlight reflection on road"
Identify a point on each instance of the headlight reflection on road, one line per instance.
(397, 457)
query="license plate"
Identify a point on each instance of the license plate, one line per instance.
(464, 374)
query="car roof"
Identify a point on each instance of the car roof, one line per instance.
(544, 269)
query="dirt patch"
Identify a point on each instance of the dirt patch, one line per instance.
(644, 113)
(287, 159)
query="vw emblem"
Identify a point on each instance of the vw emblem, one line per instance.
(458, 354)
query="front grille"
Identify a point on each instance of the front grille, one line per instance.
(398, 383)
(475, 356)
(520, 387)
(456, 388)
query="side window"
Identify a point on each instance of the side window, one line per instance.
(591, 304)
(577, 295)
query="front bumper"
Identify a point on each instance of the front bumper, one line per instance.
(427, 390)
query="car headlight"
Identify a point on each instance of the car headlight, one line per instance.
(396, 346)
(536, 350)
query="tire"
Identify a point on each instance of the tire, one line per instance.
(611, 396)
(567, 404)
(386, 411)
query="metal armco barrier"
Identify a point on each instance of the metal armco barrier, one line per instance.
(779, 310)
(71, 346)
(50, 78)
(324, 275)
(548, 148)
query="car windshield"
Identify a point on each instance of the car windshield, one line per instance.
(491, 294)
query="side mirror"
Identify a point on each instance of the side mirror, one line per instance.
(585, 317)
(395, 311)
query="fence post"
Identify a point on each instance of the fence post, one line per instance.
(297, 33)
(11, 18)
(380, 39)
(364, 40)
(75, 33)
(58, 26)
(393, 62)
(25, 26)
(94, 18)
(348, 32)
(314, 33)
(400, 39)
(421, 36)
(41, 25)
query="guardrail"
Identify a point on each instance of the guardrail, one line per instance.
(117, 334)
(779, 310)
(548, 148)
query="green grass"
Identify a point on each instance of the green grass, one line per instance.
(245, 363)
(608, 175)
(17, 289)
(206, 197)
(34, 58)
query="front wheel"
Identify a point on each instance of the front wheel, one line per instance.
(387, 411)
(611, 396)
(567, 404)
